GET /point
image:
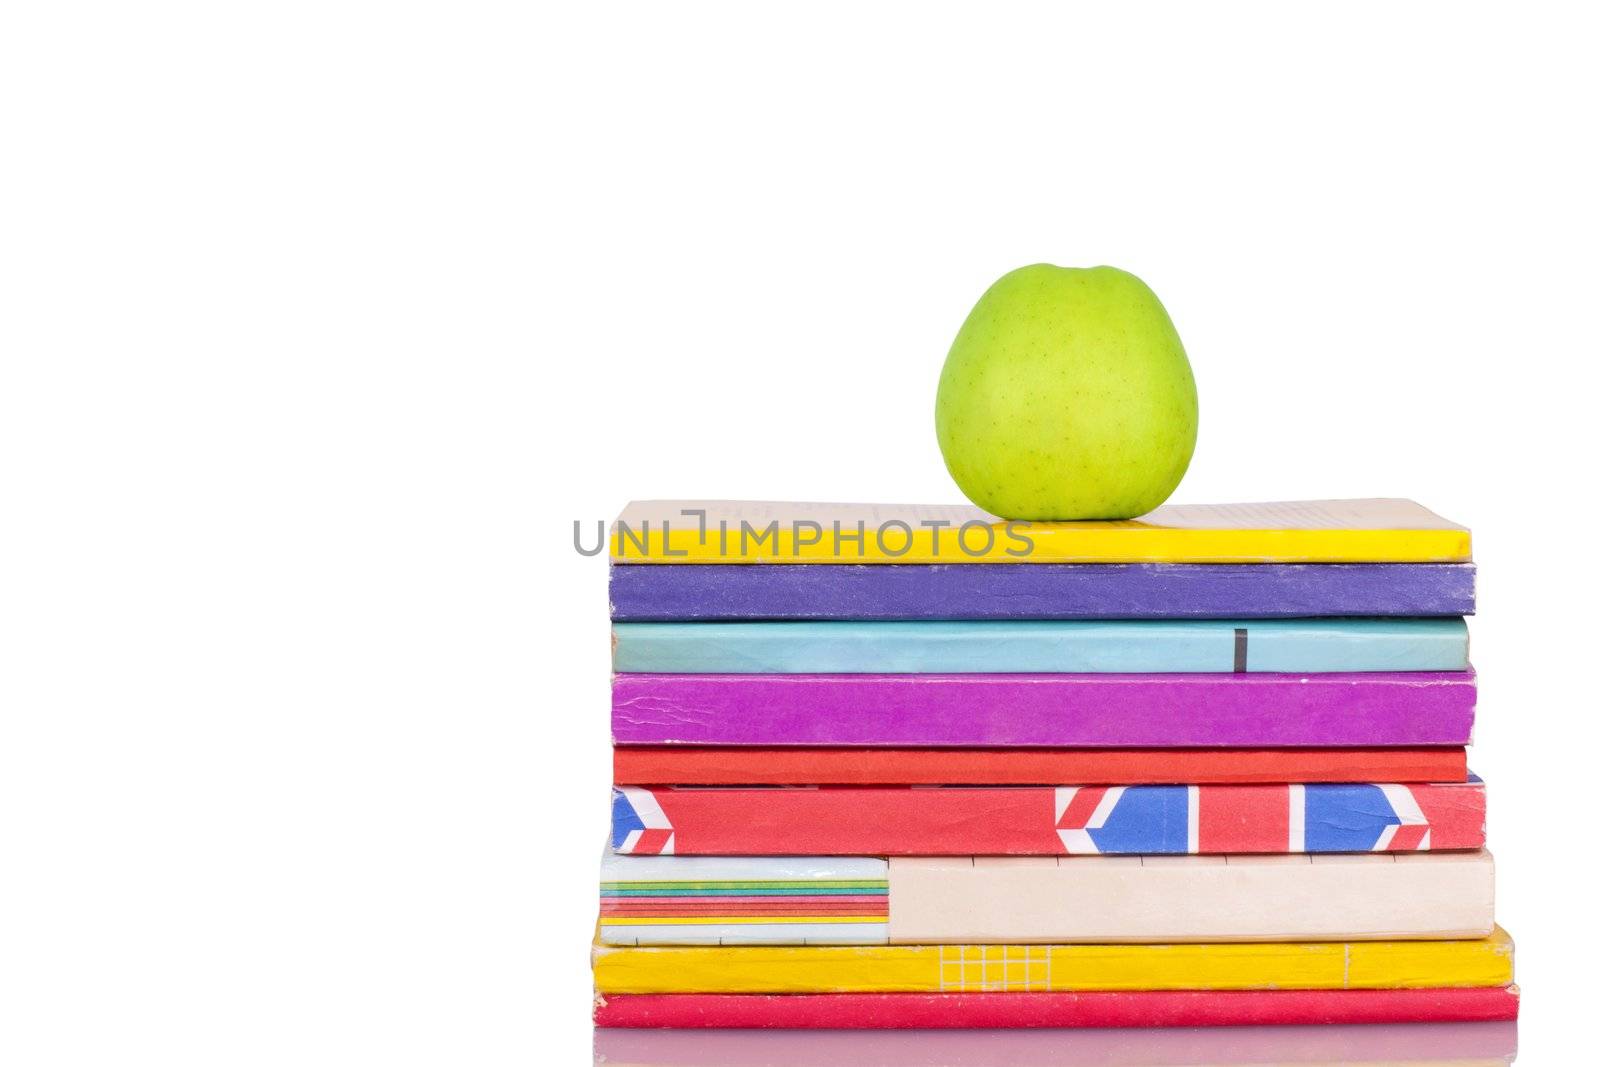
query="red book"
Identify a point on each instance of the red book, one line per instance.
(737, 765)
(899, 1011)
(1016, 820)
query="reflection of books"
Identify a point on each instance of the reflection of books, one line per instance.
(1309, 531)
(1481, 1044)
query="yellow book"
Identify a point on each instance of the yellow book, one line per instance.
(1308, 531)
(1052, 968)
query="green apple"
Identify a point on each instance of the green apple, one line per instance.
(1067, 395)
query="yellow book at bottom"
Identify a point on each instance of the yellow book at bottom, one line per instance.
(1052, 968)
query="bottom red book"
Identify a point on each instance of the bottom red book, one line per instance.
(896, 1011)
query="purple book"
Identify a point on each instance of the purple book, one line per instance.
(713, 591)
(1046, 710)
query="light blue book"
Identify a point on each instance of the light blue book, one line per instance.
(1293, 646)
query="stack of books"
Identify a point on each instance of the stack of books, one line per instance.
(883, 766)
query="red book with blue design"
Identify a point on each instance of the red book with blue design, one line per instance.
(1048, 820)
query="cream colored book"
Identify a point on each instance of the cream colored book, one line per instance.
(1047, 900)
(1370, 896)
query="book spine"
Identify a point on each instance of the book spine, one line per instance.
(1054, 968)
(879, 1011)
(1031, 646)
(1046, 710)
(731, 765)
(1040, 591)
(1045, 821)
(1365, 897)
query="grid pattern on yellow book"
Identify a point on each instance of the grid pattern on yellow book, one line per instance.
(1052, 968)
(994, 968)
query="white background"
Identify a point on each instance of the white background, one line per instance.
(322, 322)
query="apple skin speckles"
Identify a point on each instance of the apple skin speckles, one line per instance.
(1067, 395)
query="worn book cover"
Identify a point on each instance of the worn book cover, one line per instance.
(750, 765)
(1048, 968)
(788, 900)
(1147, 646)
(1047, 821)
(894, 1011)
(1046, 710)
(1303, 531)
(715, 591)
